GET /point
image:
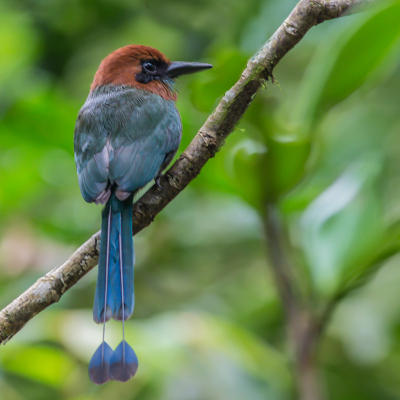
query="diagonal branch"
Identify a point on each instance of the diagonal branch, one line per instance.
(204, 146)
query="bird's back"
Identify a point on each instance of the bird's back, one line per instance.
(122, 136)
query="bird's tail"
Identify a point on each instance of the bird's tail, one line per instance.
(115, 275)
(114, 297)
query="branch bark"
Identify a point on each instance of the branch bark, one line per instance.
(204, 146)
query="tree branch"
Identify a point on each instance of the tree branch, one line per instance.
(301, 325)
(204, 146)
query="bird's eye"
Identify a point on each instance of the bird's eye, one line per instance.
(149, 67)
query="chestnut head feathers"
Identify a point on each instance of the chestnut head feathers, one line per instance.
(143, 67)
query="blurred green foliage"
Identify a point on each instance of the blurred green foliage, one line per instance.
(323, 145)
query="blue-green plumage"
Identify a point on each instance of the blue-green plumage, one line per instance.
(126, 133)
(124, 137)
(115, 257)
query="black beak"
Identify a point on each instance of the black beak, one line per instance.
(177, 68)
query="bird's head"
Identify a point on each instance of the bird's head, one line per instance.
(145, 68)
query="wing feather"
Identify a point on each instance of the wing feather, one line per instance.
(123, 136)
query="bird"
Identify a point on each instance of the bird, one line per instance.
(126, 134)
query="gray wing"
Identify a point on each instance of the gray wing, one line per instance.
(123, 138)
(91, 155)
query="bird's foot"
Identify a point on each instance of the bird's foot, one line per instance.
(157, 180)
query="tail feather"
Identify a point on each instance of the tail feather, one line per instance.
(102, 287)
(114, 297)
(116, 232)
(128, 260)
(99, 367)
(123, 363)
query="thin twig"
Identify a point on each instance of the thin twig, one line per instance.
(205, 145)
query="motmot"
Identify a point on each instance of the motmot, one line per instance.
(126, 134)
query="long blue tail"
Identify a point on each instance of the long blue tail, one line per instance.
(114, 297)
(116, 248)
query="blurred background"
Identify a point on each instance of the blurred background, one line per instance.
(322, 145)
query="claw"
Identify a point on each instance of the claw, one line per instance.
(157, 180)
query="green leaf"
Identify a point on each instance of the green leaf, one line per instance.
(208, 88)
(262, 173)
(48, 365)
(189, 339)
(286, 159)
(18, 43)
(345, 61)
(246, 166)
(341, 228)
